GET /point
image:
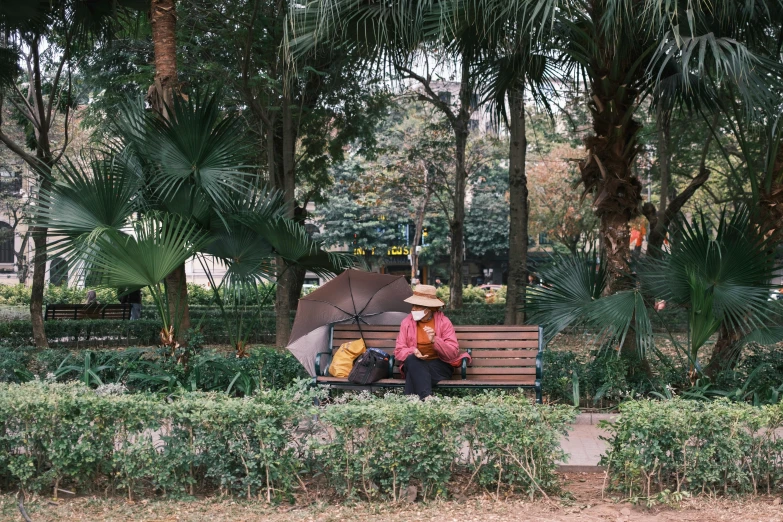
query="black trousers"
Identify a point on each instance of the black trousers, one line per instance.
(421, 375)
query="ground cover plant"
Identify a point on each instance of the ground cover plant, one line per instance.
(153, 370)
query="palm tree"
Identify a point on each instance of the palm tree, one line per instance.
(169, 189)
(624, 51)
(719, 273)
(512, 65)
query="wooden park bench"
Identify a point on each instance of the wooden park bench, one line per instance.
(87, 311)
(503, 356)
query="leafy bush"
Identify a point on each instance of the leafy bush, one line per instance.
(68, 435)
(472, 295)
(690, 446)
(111, 332)
(94, 332)
(758, 375)
(13, 364)
(379, 446)
(152, 370)
(604, 378)
(106, 332)
(58, 435)
(19, 295)
(14, 295)
(493, 314)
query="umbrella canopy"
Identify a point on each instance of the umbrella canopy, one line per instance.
(352, 297)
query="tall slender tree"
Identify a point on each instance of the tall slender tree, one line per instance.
(396, 37)
(43, 36)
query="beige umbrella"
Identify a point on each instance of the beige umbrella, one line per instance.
(352, 297)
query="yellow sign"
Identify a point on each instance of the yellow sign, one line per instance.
(392, 251)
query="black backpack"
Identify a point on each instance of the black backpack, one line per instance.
(371, 366)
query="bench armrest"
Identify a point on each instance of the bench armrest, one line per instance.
(391, 366)
(318, 371)
(539, 366)
(464, 365)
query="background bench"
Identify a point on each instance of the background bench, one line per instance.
(503, 356)
(87, 311)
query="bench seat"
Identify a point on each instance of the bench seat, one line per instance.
(502, 356)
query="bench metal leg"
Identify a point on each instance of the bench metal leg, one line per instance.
(538, 392)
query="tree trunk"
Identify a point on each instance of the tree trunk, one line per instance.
(661, 219)
(664, 161)
(461, 130)
(419, 227)
(45, 161)
(518, 210)
(22, 265)
(616, 238)
(163, 21)
(286, 279)
(725, 354)
(457, 224)
(37, 290)
(177, 295)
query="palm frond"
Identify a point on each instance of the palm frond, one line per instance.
(158, 244)
(197, 148)
(720, 272)
(85, 202)
(571, 285)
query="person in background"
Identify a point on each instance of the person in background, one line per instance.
(427, 344)
(134, 298)
(92, 297)
(438, 282)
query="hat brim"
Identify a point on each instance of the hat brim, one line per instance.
(425, 301)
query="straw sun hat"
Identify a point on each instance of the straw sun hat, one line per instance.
(425, 295)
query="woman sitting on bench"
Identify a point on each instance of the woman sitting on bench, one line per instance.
(426, 344)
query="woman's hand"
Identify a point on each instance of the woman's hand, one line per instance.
(430, 332)
(418, 354)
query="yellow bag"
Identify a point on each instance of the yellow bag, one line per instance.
(343, 358)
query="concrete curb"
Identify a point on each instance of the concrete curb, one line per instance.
(577, 468)
(595, 418)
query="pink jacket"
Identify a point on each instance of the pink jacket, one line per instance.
(446, 345)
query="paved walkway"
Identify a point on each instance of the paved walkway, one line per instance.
(583, 445)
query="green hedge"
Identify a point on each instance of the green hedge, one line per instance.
(144, 332)
(69, 436)
(380, 445)
(109, 332)
(72, 437)
(676, 446)
(19, 295)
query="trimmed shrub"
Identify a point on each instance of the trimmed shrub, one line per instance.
(696, 447)
(58, 435)
(111, 332)
(379, 446)
(70, 436)
(144, 332)
(472, 295)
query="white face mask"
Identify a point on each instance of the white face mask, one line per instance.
(418, 315)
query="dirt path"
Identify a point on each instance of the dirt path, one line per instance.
(586, 505)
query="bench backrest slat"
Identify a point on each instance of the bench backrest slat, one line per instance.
(87, 311)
